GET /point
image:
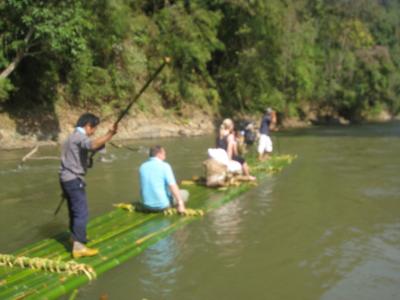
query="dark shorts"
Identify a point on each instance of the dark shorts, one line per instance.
(239, 159)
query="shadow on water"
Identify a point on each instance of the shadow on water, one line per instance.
(63, 237)
(32, 104)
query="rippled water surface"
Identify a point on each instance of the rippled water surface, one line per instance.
(327, 227)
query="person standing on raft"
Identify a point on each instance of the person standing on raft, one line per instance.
(74, 164)
(265, 143)
(158, 187)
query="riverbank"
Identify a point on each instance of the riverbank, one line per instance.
(25, 129)
(35, 128)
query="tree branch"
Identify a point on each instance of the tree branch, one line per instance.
(19, 56)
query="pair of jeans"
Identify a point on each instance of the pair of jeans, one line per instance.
(74, 192)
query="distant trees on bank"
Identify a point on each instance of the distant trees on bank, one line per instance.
(227, 55)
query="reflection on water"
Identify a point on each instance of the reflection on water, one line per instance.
(327, 227)
(263, 197)
(226, 221)
(369, 269)
(228, 226)
(159, 262)
(378, 193)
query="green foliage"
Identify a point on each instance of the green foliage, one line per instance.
(189, 38)
(5, 88)
(227, 56)
(35, 26)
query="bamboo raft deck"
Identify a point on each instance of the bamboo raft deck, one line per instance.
(119, 235)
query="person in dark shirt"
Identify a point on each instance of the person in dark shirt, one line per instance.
(226, 140)
(74, 164)
(265, 146)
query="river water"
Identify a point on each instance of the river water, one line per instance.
(327, 227)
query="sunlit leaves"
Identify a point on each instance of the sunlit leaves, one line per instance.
(341, 56)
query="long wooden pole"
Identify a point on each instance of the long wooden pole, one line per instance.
(123, 113)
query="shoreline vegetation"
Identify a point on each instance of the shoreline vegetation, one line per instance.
(313, 61)
(40, 130)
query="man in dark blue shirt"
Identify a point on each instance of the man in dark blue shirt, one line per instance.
(265, 143)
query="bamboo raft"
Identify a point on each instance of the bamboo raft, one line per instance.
(45, 270)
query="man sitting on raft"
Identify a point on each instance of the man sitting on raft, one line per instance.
(158, 187)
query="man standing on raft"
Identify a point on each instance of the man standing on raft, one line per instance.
(74, 163)
(265, 144)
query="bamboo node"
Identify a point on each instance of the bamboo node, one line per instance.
(187, 182)
(45, 264)
(127, 206)
(189, 212)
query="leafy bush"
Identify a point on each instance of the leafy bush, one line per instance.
(227, 56)
(5, 88)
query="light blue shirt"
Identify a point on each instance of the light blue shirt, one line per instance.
(155, 178)
(81, 130)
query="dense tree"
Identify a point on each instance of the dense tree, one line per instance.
(339, 56)
(39, 29)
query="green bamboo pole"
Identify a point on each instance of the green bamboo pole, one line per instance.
(29, 251)
(42, 249)
(91, 225)
(116, 259)
(227, 196)
(93, 243)
(118, 243)
(52, 293)
(21, 294)
(101, 225)
(113, 233)
(49, 251)
(54, 286)
(73, 295)
(26, 287)
(64, 268)
(96, 242)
